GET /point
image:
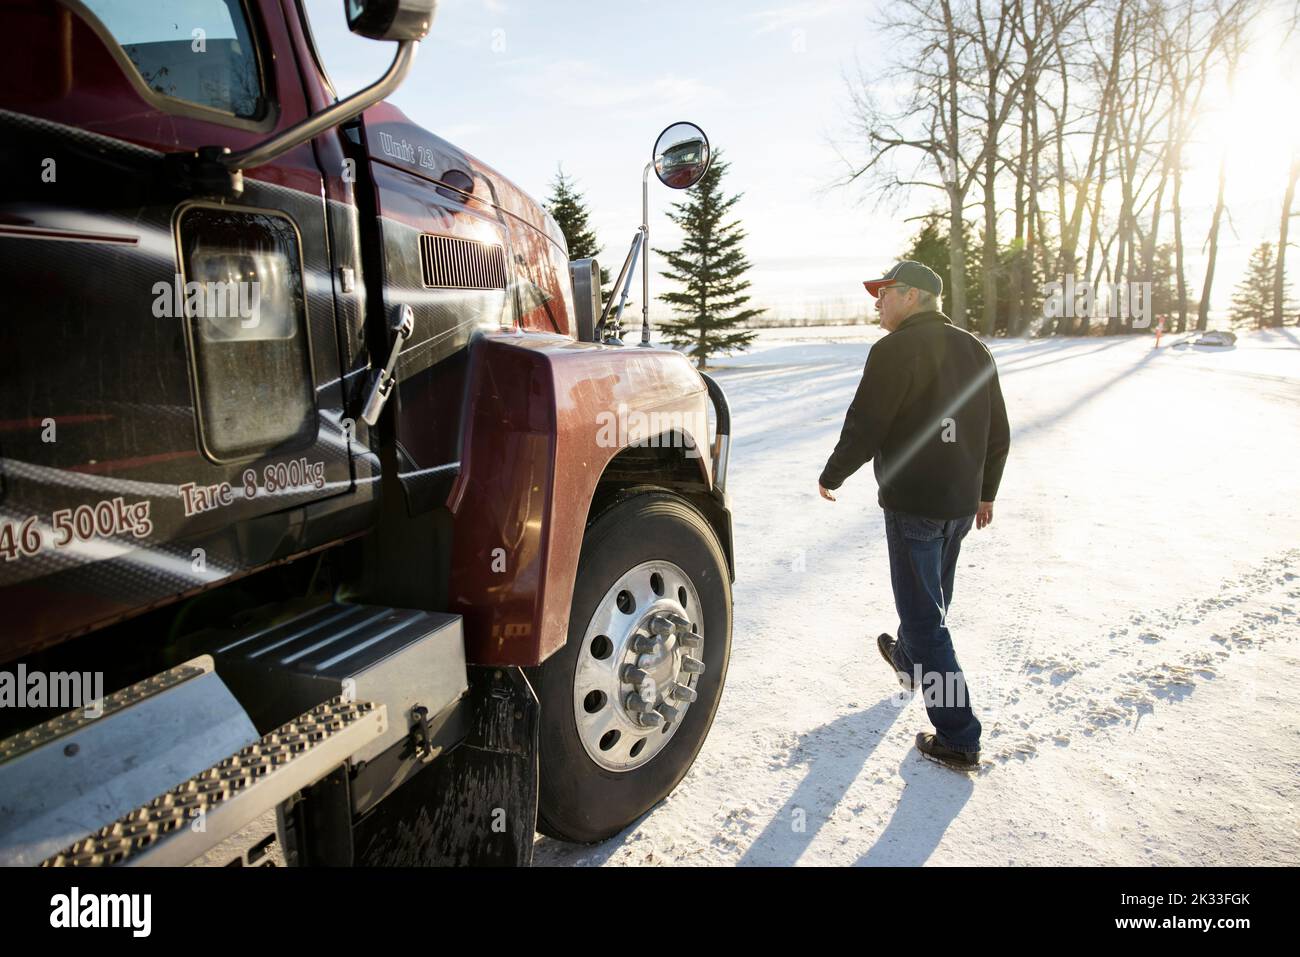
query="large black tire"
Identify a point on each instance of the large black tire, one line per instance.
(578, 800)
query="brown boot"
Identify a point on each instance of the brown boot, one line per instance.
(930, 747)
(886, 645)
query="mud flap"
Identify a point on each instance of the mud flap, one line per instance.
(474, 805)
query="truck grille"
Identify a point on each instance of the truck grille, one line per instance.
(461, 263)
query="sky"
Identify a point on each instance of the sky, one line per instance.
(527, 85)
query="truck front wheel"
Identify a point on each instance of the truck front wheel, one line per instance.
(627, 703)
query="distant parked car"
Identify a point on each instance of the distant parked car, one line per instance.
(1215, 338)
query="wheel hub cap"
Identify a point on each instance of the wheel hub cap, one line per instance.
(639, 665)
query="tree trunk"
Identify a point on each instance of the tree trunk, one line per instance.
(957, 257)
(989, 272)
(1149, 246)
(1027, 297)
(1178, 238)
(1094, 225)
(956, 190)
(1124, 256)
(1014, 280)
(1203, 314)
(1279, 268)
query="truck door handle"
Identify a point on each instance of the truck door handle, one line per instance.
(382, 387)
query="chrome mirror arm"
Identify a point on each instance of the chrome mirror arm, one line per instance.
(340, 112)
(645, 257)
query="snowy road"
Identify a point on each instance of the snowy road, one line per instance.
(1127, 625)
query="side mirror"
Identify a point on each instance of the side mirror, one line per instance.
(681, 156)
(390, 19)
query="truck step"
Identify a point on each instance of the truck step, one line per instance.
(180, 825)
(85, 768)
(404, 658)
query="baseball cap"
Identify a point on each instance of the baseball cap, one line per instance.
(910, 273)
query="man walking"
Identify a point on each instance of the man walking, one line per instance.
(929, 412)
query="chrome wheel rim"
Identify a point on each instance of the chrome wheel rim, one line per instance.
(639, 666)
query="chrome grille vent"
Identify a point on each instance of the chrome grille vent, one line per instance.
(451, 263)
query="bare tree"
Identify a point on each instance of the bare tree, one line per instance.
(937, 120)
(1107, 95)
(1101, 71)
(1143, 111)
(993, 48)
(1024, 66)
(1121, 34)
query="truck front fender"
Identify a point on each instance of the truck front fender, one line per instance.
(544, 417)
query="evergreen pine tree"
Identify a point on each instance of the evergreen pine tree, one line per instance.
(1164, 286)
(1252, 301)
(930, 248)
(708, 267)
(569, 208)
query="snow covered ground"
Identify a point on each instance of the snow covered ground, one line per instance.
(1127, 625)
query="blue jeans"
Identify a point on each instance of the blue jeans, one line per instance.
(922, 563)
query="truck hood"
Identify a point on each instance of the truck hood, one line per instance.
(393, 139)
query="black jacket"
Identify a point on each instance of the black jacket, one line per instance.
(929, 410)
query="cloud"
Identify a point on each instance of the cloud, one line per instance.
(581, 84)
(793, 14)
(494, 7)
(459, 132)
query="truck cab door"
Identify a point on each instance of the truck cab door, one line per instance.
(174, 410)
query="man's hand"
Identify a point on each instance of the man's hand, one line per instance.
(984, 516)
(825, 493)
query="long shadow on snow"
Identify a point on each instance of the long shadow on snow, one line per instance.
(834, 755)
(932, 799)
(1017, 363)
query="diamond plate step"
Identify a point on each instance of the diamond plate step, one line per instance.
(180, 825)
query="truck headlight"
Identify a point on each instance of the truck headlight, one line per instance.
(246, 324)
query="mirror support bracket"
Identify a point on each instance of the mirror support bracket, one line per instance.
(203, 172)
(645, 254)
(613, 334)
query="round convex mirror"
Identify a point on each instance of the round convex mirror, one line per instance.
(681, 155)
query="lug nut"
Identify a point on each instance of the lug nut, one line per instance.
(685, 693)
(669, 712)
(634, 675)
(692, 666)
(649, 719)
(678, 622)
(636, 704)
(644, 644)
(689, 639)
(660, 625)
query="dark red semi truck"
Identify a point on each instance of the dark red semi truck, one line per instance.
(334, 513)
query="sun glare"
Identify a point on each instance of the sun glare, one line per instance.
(1254, 118)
